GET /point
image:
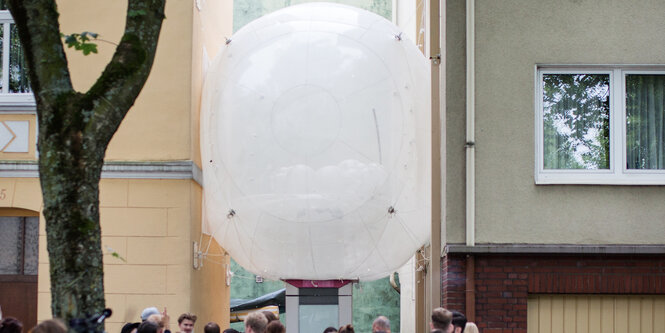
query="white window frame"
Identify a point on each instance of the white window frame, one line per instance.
(618, 173)
(8, 99)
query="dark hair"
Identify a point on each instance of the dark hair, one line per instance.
(275, 326)
(148, 327)
(231, 330)
(11, 325)
(211, 327)
(187, 316)
(348, 328)
(269, 315)
(127, 328)
(459, 320)
(330, 330)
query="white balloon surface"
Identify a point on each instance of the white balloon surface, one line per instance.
(314, 132)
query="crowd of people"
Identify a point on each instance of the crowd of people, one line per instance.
(154, 321)
(443, 321)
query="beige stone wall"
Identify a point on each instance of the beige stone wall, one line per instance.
(513, 36)
(147, 222)
(210, 293)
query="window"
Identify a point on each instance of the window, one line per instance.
(19, 239)
(14, 84)
(600, 125)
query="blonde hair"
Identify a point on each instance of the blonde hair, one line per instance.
(471, 328)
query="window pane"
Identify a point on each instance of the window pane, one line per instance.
(11, 243)
(315, 318)
(18, 75)
(645, 121)
(576, 121)
(31, 246)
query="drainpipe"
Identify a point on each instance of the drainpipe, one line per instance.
(437, 59)
(470, 288)
(470, 124)
(470, 294)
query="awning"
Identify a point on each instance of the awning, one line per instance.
(274, 298)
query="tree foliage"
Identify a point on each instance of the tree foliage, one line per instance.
(576, 121)
(75, 129)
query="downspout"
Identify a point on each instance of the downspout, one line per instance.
(437, 60)
(470, 125)
(470, 293)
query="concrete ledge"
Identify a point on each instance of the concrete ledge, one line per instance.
(127, 170)
(557, 248)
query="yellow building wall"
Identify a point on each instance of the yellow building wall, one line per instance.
(157, 128)
(150, 223)
(212, 25)
(210, 296)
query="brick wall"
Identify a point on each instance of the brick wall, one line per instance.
(503, 282)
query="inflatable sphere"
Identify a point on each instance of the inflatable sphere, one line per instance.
(314, 136)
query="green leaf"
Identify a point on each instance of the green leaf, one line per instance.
(116, 255)
(81, 42)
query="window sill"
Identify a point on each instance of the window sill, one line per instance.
(17, 103)
(655, 177)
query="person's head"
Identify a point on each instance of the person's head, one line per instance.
(256, 322)
(158, 320)
(348, 328)
(10, 325)
(381, 324)
(147, 312)
(459, 321)
(330, 330)
(149, 326)
(441, 319)
(269, 315)
(186, 322)
(130, 328)
(471, 328)
(211, 327)
(231, 330)
(275, 326)
(50, 326)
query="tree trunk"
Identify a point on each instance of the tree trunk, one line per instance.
(70, 188)
(74, 131)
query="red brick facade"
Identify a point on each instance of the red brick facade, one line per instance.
(504, 281)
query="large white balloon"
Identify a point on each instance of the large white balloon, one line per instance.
(313, 131)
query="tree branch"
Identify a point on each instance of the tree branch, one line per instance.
(117, 88)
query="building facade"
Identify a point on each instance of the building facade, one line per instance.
(150, 193)
(553, 182)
